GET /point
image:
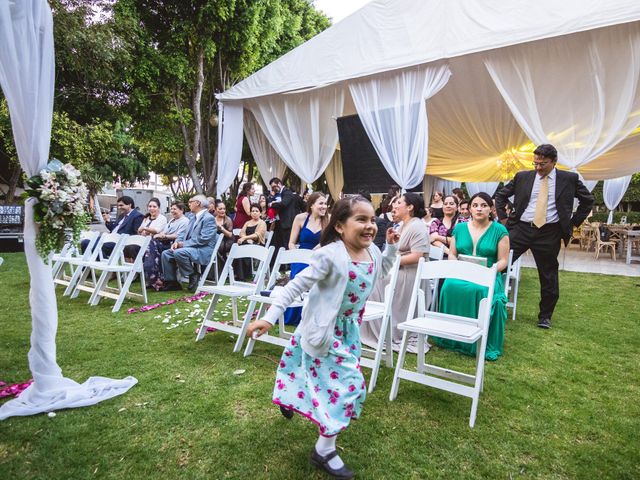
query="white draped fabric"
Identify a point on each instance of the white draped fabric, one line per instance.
(392, 109)
(27, 79)
(446, 186)
(477, 187)
(302, 128)
(269, 163)
(612, 193)
(229, 144)
(584, 108)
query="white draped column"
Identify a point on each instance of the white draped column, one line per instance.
(269, 163)
(301, 128)
(229, 144)
(581, 94)
(612, 193)
(27, 79)
(392, 109)
(477, 187)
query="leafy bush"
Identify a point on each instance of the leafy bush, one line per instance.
(632, 217)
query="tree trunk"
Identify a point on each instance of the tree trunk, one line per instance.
(13, 184)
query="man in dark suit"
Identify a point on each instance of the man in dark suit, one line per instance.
(542, 217)
(288, 208)
(128, 222)
(195, 245)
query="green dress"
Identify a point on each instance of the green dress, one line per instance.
(458, 297)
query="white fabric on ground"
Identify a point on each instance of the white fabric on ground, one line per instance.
(392, 109)
(27, 79)
(269, 163)
(302, 128)
(612, 193)
(229, 144)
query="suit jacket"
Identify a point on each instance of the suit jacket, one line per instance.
(130, 225)
(201, 234)
(287, 208)
(568, 187)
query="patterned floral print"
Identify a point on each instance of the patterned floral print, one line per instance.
(330, 390)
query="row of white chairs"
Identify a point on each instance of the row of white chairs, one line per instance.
(427, 322)
(90, 271)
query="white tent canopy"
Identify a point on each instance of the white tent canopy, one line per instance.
(521, 72)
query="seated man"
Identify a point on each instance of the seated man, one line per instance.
(194, 245)
(128, 222)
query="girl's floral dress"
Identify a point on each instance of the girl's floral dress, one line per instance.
(329, 390)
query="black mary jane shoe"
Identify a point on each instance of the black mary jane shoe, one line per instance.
(286, 413)
(342, 473)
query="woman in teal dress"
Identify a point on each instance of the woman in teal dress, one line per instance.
(481, 237)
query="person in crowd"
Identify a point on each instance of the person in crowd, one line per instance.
(127, 223)
(305, 234)
(319, 375)
(428, 217)
(413, 245)
(441, 229)
(285, 203)
(243, 205)
(437, 205)
(458, 192)
(463, 210)
(194, 246)
(542, 217)
(262, 202)
(480, 237)
(224, 226)
(161, 242)
(153, 222)
(387, 202)
(253, 232)
(212, 205)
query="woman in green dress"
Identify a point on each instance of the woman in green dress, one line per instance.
(481, 237)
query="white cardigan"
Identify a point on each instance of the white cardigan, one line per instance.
(326, 280)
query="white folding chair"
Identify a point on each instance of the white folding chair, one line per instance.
(381, 311)
(78, 280)
(435, 254)
(122, 269)
(511, 283)
(236, 231)
(268, 238)
(234, 289)
(453, 327)
(284, 257)
(213, 263)
(61, 269)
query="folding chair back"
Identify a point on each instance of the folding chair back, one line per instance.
(512, 282)
(213, 263)
(381, 311)
(59, 261)
(227, 286)
(436, 253)
(284, 257)
(268, 238)
(452, 327)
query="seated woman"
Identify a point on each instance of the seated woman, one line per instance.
(441, 228)
(413, 245)
(161, 242)
(154, 221)
(305, 234)
(481, 237)
(225, 228)
(253, 232)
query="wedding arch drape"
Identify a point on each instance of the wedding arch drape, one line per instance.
(302, 128)
(612, 193)
(27, 79)
(393, 113)
(335, 176)
(476, 187)
(229, 144)
(269, 163)
(584, 108)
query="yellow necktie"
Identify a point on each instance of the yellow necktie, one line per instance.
(540, 215)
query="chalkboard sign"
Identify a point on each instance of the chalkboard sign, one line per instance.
(361, 166)
(11, 214)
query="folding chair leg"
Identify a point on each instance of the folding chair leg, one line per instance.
(75, 278)
(383, 348)
(143, 283)
(99, 285)
(396, 376)
(245, 325)
(212, 306)
(420, 355)
(234, 308)
(123, 291)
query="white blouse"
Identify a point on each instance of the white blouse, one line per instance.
(157, 224)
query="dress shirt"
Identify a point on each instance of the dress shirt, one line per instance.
(176, 226)
(158, 224)
(117, 227)
(552, 211)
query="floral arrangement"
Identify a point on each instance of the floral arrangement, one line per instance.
(59, 212)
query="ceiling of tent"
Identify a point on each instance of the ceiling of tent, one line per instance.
(473, 135)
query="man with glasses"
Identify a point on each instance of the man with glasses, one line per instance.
(543, 216)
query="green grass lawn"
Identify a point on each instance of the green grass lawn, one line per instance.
(560, 404)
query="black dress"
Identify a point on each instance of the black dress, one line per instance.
(437, 212)
(242, 266)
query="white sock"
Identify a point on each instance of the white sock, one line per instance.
(326, 445)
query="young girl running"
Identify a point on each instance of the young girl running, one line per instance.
(319, 374)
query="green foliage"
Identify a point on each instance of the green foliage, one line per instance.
(632, 217)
